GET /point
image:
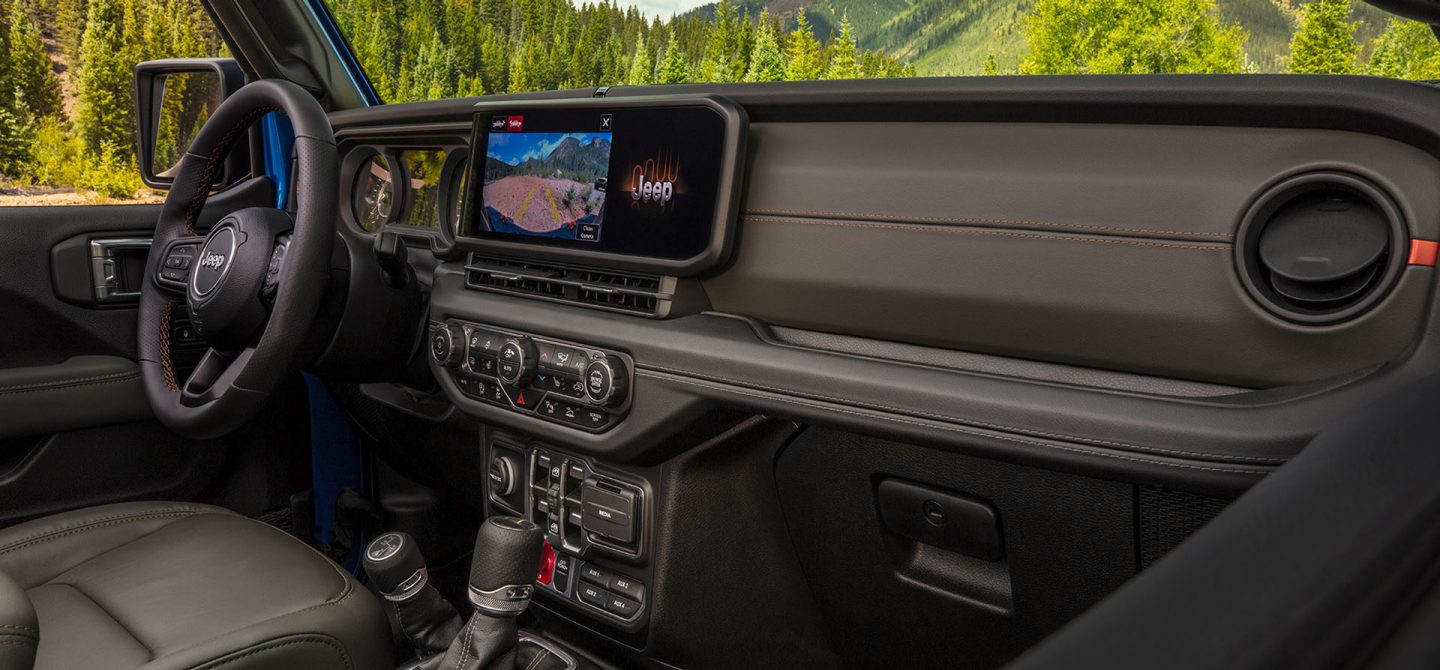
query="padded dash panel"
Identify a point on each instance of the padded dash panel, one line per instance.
(1101, 245)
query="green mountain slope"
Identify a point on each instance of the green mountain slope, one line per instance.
(954, 37)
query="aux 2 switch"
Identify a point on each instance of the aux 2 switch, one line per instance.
(517, 358)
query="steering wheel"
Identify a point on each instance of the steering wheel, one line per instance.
(252, 284)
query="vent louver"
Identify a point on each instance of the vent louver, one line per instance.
(1321, 247)
(613, 291)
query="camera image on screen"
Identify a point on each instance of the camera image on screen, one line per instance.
(546, 184)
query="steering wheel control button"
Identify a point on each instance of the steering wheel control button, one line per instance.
(517, 361)
(444, 340)
(605, 381)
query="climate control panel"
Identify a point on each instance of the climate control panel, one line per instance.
(563, 382)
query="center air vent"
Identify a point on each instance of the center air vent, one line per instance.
(1321, 247)
(619, 292)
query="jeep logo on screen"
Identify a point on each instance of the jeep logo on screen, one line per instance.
(653, 181)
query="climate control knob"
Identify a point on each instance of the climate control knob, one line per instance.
(446, 344)
(517, 358)
(606, 381)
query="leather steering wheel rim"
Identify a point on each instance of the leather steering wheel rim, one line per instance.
(239, 377)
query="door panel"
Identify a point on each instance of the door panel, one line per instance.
(75, 426)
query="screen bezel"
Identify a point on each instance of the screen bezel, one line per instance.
(727, 191)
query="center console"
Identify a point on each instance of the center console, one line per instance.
(596, 525)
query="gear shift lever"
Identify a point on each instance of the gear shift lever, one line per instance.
(397, 570)
(502, 579)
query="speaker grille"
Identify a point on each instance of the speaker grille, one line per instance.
(1167, 517)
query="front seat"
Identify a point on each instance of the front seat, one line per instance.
(175, 585)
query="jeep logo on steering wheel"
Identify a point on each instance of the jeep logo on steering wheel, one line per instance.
(213, 261)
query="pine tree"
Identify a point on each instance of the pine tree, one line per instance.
(992, 67)
(103, 80)
(715, 64)
(766, 63)
(642, 70)
(70, 24)
(1133, 37)
(1325, 41)
(844, 59)
(30, 68)
(1406, 50)
(673, 69)
(805, 60)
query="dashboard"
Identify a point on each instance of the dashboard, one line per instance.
(1105, 284)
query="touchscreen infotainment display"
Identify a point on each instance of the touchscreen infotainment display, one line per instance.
(634, 181)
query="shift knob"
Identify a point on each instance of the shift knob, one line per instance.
(395, 565)
(507, 560)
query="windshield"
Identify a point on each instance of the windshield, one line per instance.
(424, 50)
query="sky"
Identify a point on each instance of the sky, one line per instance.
(516, 148)
(664, 8)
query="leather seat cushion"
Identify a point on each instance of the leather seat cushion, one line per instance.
(167, 585)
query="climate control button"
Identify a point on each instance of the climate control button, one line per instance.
(516, 361)
(445, 341)
(605, 381)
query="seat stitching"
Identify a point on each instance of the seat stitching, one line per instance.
(880, 217)
(16, 626)
(974, 422)
(94, 524)
(65, 383)
(276, 644)
(18, 642)
(1217, 246)
(964, 431)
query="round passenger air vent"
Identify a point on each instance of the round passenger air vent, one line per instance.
(1320, 248)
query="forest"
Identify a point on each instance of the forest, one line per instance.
(67, 113)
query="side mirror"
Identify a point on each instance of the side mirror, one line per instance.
(173, 99)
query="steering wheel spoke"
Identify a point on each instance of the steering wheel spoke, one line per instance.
(214, 373)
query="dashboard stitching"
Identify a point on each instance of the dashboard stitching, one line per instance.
(961, 430)
(880, 217)
(981, 424)
(68, 383)
(1215, 246)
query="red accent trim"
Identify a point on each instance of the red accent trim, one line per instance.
(547, 564)
(1424, 252)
